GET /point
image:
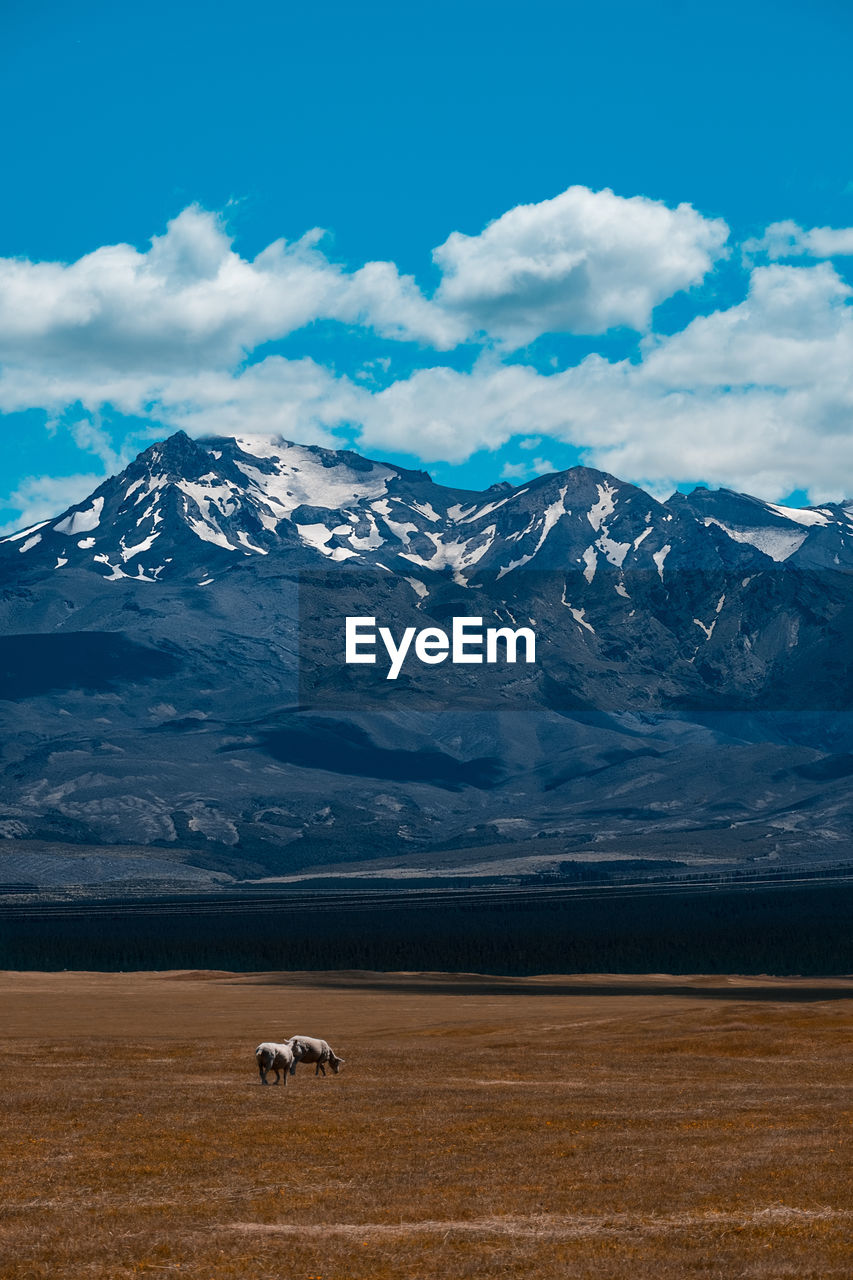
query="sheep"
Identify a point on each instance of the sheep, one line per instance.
(274, 1057)
(308, 1049)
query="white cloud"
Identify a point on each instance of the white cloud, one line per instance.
(758, 396)
(275, 396)
(788, 240)
(191, 302)
(443, 414)
(540, 466)
(145, 331)
(297, 399)
(90, 436)
(581, 263)
(526, 470)
(118, 321)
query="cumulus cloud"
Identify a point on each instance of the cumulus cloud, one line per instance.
(128, 328)
(788, 240)
(297, 399)
(190, 302)
(583, 263)
(757, 396)
(514, 471)
(90, 436)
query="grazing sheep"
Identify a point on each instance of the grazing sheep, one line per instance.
(307, 1049)
(274, 1057)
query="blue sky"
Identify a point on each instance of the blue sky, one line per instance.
(568, 205)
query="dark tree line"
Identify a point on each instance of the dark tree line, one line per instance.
(803, 930)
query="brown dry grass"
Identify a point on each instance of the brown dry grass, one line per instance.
(478, 1129)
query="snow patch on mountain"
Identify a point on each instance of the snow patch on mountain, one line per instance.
(209, 532)
(243, 538)
(317, 535)
(116, 571)
(472, 514)
(579, 615)
(210, 491)
(369, 542)
(127, 553)
(778, 544)
(614, 552)
(151, 513)
(457, 513)
(401, 529)
(15, 537)
(425, 509)
(659, 557)
(550, 516)
(299, 478)
(804, 515)
(457, 555)
(153, 484)
(82, 521)
(604, 507)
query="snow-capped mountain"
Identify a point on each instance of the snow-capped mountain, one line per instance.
(810, 537)
(167, 678)
(184, 506)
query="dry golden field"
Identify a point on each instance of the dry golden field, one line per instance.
(590, 1127)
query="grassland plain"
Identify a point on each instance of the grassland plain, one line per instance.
(594, 1126)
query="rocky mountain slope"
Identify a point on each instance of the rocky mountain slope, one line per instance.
(171, 673)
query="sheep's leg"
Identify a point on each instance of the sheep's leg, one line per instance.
(320, 1068)
(277, 1075)
(262, 1071)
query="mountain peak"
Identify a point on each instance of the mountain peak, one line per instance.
(197, 508)
(178, 456)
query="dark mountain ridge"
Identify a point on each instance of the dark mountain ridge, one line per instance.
(171, 672)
